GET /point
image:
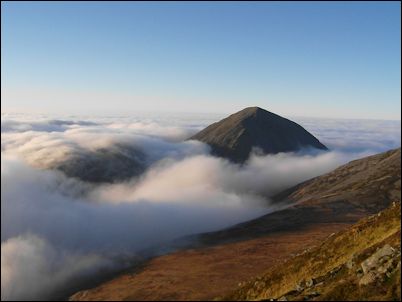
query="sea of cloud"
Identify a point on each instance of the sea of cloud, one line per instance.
(55, 228)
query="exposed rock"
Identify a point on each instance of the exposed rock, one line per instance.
(381, 263)
(373, 260)
(367, 278)
(350, 264)
(299, 287)
(309, 283)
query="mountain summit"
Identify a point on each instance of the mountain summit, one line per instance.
(253, 127)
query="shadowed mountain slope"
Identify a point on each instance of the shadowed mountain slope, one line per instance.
(104, 165)
(364, 182)
(354, 190)
(235, 136)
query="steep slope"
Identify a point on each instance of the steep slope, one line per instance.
(362, 262)
(225, 258)
(363, 182)
(235, 136)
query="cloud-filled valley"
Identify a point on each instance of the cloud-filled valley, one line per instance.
(56, 228)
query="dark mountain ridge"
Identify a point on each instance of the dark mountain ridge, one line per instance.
(235, 137)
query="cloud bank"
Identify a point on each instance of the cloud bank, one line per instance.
(57, 228)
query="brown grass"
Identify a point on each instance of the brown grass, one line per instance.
(209, 272)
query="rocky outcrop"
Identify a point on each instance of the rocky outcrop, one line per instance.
(360, 263)
(379, 267)
(383, 262)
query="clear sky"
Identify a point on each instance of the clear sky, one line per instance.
(302, 59)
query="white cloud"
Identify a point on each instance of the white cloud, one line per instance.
(50, 221)
(365, 136)
(31, 268)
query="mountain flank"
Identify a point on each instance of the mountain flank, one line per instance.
(213, 264)
(236, 136)
(357, 189)
(361, 263)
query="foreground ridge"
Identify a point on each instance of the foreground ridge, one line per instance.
(362, 262)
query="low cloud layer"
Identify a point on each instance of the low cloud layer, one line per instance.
(40, 269)
(57, 228)
(355, 136)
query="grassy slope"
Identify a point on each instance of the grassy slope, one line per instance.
(325, 204)
(327, 263)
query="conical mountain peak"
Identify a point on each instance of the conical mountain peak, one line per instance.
(234, 137)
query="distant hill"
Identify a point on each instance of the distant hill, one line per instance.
(235, 136)
(103, 165)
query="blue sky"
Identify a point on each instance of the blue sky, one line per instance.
(296, 59)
